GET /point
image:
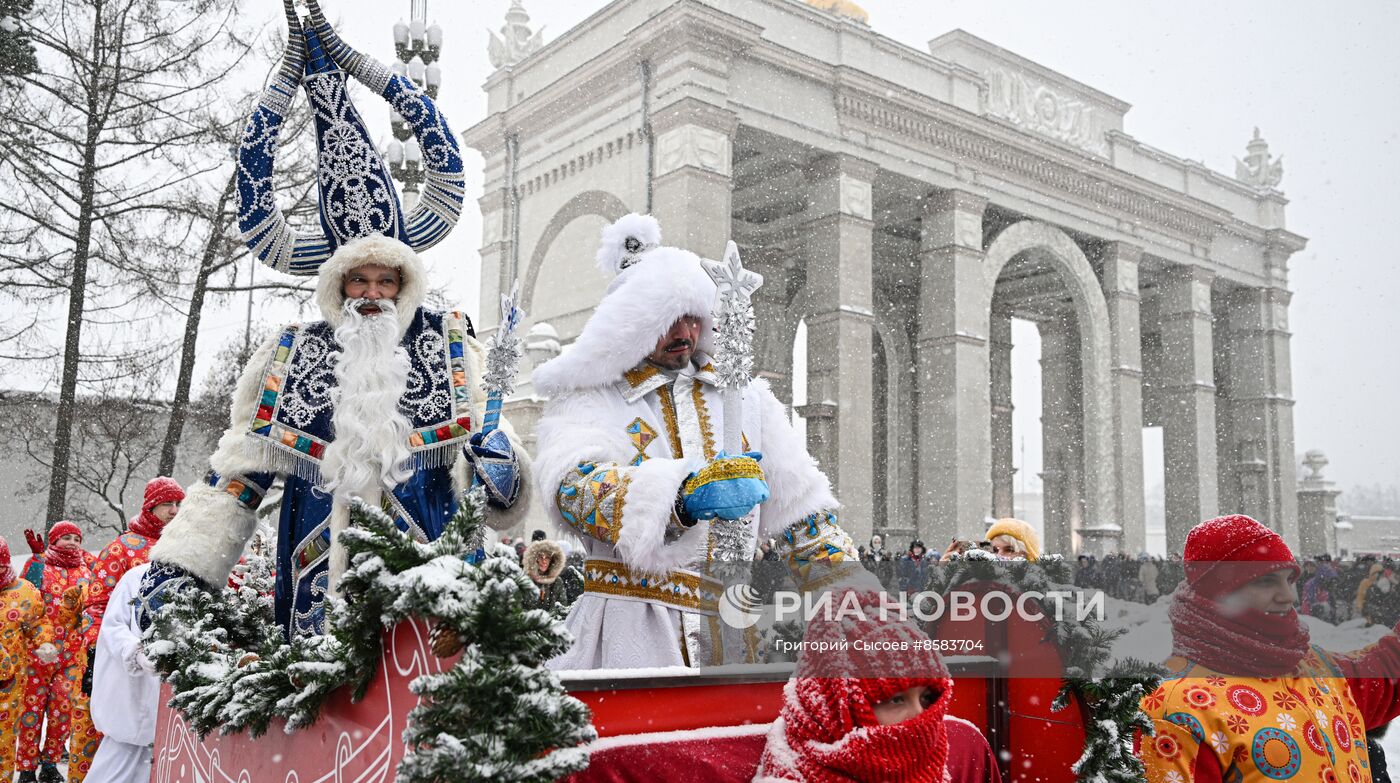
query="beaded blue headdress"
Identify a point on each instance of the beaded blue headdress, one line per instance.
(358, 197)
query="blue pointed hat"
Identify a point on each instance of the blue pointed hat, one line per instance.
(358, 197)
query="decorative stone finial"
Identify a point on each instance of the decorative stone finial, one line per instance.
(1258, 168)
(1314, 460)
(516, 41)
(542, 344)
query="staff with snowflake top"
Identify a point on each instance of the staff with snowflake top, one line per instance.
(672, 463)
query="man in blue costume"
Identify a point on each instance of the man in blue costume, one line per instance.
(382, 399)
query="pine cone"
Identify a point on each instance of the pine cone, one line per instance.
(444, 641)
(247, 658)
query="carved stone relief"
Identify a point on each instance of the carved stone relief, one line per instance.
(856, 197)
(1031, 105)
(692, 145)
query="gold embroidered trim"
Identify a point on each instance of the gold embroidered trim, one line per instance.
(836, 572)
(640, 374)
(721, 470)
(619, 502)
(701, 412)
(673, 428)
(679, 589)
(716, 642)
(752, 643)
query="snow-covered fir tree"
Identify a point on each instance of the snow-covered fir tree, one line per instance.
(495, 715)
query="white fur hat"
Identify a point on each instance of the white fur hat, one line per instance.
(653, 287)
(373, 249)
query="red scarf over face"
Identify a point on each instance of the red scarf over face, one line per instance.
(828, 733)
(147, 525)
(161, 489)
(1248, 643)
(64, 556)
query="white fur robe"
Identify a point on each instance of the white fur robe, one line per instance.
(125, 699)
(591, 425)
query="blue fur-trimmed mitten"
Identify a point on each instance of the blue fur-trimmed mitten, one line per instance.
(496, 466)
(727, 488)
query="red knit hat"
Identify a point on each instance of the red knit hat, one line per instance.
(828, 731)
(62, 529)
(161, 489)
(1226, 552)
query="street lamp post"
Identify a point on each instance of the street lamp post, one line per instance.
(416, 47)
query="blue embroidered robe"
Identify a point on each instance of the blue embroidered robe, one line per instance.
(293, 424)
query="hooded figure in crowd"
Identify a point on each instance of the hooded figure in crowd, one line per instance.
(382, 399)
(913, 567)
(630, 457)
(1247, 698)
(547, 567)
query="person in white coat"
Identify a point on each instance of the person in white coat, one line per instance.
(125, 691)
(630, 458)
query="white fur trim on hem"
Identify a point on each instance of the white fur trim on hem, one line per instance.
(207, 535)
(646, 514)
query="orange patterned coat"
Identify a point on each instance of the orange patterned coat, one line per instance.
(1309, 726)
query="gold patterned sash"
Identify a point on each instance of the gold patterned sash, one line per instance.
(679, 589)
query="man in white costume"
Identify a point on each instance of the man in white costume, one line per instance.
(125, 691)
(629, 458)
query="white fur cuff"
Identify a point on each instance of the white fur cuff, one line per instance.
(207, 536)
(646, 513)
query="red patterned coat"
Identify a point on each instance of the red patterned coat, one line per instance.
(125, 552)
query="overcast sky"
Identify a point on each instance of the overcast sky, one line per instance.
(1319, 80)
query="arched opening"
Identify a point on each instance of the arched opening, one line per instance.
(566, 247)
(1043, 281)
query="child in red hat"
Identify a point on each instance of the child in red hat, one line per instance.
(62, 576)
(867, 703)
(22, 632)
(1248, 699)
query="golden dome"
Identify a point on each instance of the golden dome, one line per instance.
(841, 8)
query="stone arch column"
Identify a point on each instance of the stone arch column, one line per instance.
(1101, 531)
(899, 438)
(589, 202)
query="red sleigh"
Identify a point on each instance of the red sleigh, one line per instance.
(706, 725)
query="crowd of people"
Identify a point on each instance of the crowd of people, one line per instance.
(1335, 591)
(61, 629)
(55, 653)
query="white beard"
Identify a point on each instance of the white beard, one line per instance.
(370, 448)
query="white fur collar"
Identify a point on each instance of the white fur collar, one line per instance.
(373, 249)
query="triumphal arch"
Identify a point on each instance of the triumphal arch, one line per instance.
(906, 204)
